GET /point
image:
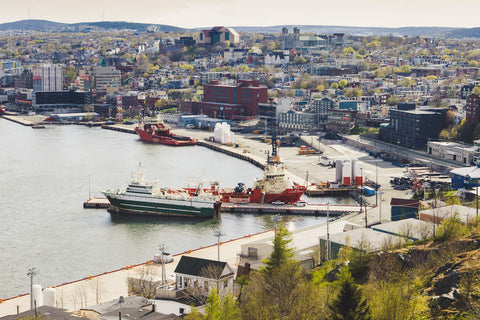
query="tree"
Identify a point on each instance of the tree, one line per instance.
(476, 90)
(334, 85)
(281, 253)
(342, 83)
(348, 303)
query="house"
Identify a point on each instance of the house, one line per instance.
(49, 313)
(202, 274)
(145, 313)
(465, 214)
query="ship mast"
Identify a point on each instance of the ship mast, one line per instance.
(274, 158)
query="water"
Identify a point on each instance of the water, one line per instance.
(44, 179)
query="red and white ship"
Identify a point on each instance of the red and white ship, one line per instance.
(156, 131)
(275, 185)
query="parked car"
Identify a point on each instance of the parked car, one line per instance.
(190, 126)
(278, 203)
(301, 203)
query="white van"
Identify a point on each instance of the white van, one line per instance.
(301, 203)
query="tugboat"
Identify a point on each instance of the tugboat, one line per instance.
(156, 131)
(144, 198)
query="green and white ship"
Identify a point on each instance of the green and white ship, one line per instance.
(144, 198)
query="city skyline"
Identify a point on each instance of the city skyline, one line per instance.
(205, 13)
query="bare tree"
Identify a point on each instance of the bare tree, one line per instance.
(145, 282)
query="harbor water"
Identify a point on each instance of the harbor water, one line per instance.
(46, 174)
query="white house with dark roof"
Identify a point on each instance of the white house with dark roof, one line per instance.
(203, 274)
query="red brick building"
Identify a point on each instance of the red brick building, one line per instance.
(472, 108)
(229, 102)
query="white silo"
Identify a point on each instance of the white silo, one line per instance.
(347, 173)
(338, 170)
(37, 295)
(49, 297)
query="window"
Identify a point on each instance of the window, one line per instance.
(227, 36)
(201, 36)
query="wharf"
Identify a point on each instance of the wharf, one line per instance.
(232, 152)
(257, 208)
(308, 210)
(120, 128)
(23, 120)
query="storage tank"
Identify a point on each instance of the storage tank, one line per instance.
(37, 295)
(49, 297)
(354, 165)
(338, 170)
(358, 174)
(347, 173)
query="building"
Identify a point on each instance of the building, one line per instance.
(413, 128)
(184, 42)
(465, 177)
(290, 40)
(472, 108)
(348, 104)
(60, 101)
(107, 80)
(47, 77)
(239, 101)
(24, 80)
(451, 151)
(277, 57)
(203, 274)
(218, 35)
(298, 120)
(341, 121)
(404, 208)
(235, 54)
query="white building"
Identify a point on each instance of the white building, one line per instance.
(107, 80)
(47, 77)
(451, 151)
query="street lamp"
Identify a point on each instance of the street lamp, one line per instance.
(380, 206)
(218, 234)
(31, 272)
(162, 250)
(275, 219)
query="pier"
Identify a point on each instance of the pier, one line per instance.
(308, 210)
(120, 128)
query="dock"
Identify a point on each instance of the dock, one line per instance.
(96, 203)
(120, 128)
(257, 208)
(232, 152)
(308, 210)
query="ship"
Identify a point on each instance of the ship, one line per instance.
(274, 187)
(153, 129)
(147, 199)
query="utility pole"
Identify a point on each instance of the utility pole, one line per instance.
(31, 272)
(218, 234)
(328, 232)
(380, 207)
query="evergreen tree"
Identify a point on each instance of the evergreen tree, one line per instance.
(349, 305)
(281, 254)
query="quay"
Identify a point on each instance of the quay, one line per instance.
(257, 208)
(308, 210)
(120, 128)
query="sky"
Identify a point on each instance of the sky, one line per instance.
(207, 13)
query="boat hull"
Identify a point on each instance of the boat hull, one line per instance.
(167, 140)
(147, 206)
